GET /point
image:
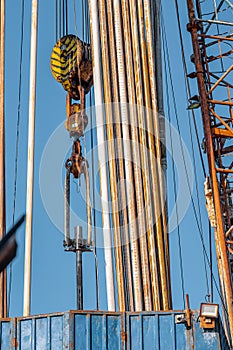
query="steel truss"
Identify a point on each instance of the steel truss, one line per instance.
(212, 38)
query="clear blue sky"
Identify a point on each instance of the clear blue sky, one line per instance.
(53, 281)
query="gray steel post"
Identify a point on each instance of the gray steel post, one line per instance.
(79, 273)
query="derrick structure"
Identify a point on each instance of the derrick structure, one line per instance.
(211, 28)
(128, 92)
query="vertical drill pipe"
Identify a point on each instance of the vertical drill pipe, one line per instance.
(225, 275)
(122, 131)
(96, 61)
(112, 157)
(140, 93)
(154, 34)
(154, 127)
(30, 169)
(154, 195)
(136, 214)
(125, 226)
(88, 204)
(3, 282)
(79, 268)
(67, 207)
(140, 227)
(155, 28)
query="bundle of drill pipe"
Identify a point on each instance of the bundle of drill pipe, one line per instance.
(127, 90)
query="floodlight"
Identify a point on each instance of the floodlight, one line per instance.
(209, 310)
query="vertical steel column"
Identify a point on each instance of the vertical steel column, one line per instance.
(88, 204)
(30, 170)
(225, 276)
(97, 77)
(79, 267)
(67, 207)
(3, 282)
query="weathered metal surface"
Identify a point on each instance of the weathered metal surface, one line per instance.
(30, 164)
(96, 60)
(104, 330)
(112, 157)
(213, 150)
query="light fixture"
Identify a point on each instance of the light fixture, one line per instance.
(194, 105)
(194, 98)
(209, 310)
(208, 315)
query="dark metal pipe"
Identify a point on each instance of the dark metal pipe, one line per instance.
(79, 270)
(67, 208)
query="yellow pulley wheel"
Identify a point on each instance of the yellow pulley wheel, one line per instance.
(71, 65)
(66, 56)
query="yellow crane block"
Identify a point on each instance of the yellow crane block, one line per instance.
(71, 65)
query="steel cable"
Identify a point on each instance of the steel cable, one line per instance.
(188, 95)
(186, 171)
(174, 179)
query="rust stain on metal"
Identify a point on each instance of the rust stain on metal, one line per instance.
(124, 336)
(221, 249)
(15, 343)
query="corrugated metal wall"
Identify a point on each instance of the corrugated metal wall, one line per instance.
(98, 331)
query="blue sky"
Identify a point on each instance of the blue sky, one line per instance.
(53, 280)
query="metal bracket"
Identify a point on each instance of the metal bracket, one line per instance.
(181, 318)
(82, 245)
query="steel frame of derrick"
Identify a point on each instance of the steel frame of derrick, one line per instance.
(211, 50)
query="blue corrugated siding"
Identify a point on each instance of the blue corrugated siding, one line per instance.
(7, 333)
(157, 331)
(107, 331)
(98, 331)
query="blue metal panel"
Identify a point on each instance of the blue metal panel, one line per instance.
(108, 331)
(151, 331)
(25, 334)
(98, 331)
(134, 331)
(7, 335)
(82, 332)
(56, 332)
(42, 335)
(115, 332)
(43, 332)
(155, 330)
(206, 339)
(182, 338)
(167, 331)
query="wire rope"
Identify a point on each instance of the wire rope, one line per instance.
(185, 167)
(174, 182)
(75, 17)
(56, 20)
(211, 265)
(86, 38)
(188, 95)
(188, 84)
